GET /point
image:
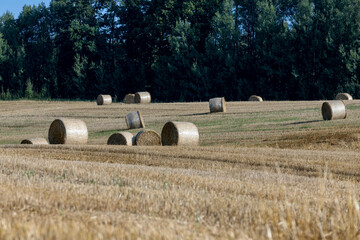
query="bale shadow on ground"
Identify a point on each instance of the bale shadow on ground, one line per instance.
(195, 114)
(301, 122)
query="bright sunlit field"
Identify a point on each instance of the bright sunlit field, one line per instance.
(263, 170)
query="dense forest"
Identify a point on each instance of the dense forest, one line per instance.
(182, 50)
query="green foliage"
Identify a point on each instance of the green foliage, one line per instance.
(8, 95)
(29, 90)
(221, 53)
(182, 50)
(29, 174)
(44, 93)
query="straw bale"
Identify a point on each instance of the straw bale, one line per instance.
(121, 138)
(255, 98)
(333, 110)
(180, 133)
(68, 131)
(343, 96)
(142, 97)
(129, 98)
(104, 100)
(148, 138)
(134, 120)
(217, 105)
(35, 141)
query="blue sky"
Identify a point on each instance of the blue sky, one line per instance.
(15, 6)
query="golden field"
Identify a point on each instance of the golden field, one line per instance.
(263, 170)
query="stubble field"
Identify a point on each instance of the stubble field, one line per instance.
(263, 170)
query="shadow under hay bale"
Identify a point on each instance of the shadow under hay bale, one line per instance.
(343, 96)
(121, 138)
(301, 122)
(254, 98)
(217, 105)
(180, 133)
(68, 131)
(142, 97)
(129, 98)
(134, 120)
(333, 110)
(104, 100)
(148, 138)
(35, 141)
(193, 114)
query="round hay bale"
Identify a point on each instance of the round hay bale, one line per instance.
(217, 105)
(180, 133)
(142, 97)
(35, 141)
(104, 100)
(68, 131)
(343, 96)
(148, 138)
(255, 98)
(129, 98)
(134, 120)
(333, 110)
(121, 138)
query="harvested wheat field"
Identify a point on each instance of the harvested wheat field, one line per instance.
(263, 170)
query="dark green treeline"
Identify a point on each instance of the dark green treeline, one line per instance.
(182, 50)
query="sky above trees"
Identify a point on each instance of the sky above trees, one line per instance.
(15, 7)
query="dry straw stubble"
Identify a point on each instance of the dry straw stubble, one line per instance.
(121, 138)
(110, 190)
(35, 141)
(217, 105)
(104, 99)
(134, 120)
(142, 97)
(148, 138)
(255, 98)
(343, 96)
(129, 98)
(68, 131)
(180, 133)
(332, 110)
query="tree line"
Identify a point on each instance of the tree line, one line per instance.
(182, 50)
